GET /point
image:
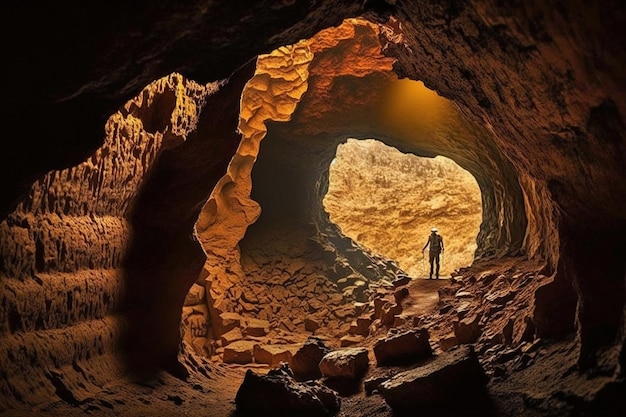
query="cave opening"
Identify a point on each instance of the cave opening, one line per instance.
(277, 268)
(388, 201)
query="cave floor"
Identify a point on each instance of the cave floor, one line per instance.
(212, 386)
(213, 396)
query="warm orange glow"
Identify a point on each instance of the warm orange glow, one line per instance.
(387, 201)
(412, 103)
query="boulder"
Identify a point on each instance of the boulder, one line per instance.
(350, 363)
(403, 348)
(311, 325)
(239, 352)
(279, 394)
(231, 336)
(305, 362)
(257, 327)
(447, 379)
(272, 355)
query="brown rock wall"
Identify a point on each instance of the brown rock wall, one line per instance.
(58, 300)
(271, 94)
(63, 249)
(79, 357)
(531, 66)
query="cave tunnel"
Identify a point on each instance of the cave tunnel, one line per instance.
(158, 206)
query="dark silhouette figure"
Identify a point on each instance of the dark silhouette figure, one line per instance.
(435, 248)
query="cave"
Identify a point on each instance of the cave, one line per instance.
(164, 184)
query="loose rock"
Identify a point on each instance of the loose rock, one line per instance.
(403, 348)
(443, 381)
(305, 362)
(350, 363)
(279, 394)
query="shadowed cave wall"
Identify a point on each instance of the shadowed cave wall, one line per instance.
(542, 86)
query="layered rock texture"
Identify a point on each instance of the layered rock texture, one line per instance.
(165, 182)
(63, 281)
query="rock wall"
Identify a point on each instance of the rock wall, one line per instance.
(166, 257)
(106, 55)
(362, 98)
(271, 96)
(62, 276)
(308, 97)
(547, 74)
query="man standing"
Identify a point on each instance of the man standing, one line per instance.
(435, 247)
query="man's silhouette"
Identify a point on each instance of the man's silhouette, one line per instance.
(435, 247)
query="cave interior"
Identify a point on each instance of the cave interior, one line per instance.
(163, 231)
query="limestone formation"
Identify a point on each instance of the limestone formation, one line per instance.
(63, 246)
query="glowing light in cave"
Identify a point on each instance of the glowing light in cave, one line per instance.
(387, 201)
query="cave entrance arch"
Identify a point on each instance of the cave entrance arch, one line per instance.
(262, 242)
(387, 201)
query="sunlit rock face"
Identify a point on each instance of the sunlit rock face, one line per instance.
(389, 201)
